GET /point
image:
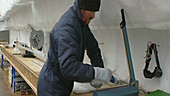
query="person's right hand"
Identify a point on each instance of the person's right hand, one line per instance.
(103, 74)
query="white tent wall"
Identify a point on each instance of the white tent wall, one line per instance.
(49, 12)
(2, 26)
(14, 34)
(146, 21)
(20, 16)
(115, 58)
(6, 5)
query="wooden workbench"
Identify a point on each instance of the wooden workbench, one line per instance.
(29, 69)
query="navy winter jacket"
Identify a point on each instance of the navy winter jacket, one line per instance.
(69, 39)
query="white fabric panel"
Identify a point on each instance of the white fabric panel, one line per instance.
(115, 57)
(146, 20)
(113, 51)
(14, 35)
(2, 26)
(21, 17)
(49, 12)
(139, 13)
(24, 36)
(46, 42)
(6, 5)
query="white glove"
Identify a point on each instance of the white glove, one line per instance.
(103, 74)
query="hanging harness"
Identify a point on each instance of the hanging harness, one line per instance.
(157, 72)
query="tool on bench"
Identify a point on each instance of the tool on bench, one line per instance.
(37, 42)
(36, 39)
(131, 89)
(28, 54)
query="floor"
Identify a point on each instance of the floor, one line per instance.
(5, 87)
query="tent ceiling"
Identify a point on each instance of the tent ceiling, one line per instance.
(139, 13)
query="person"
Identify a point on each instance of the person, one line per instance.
(69, 39)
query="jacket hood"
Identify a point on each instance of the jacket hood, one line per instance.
(77, 10)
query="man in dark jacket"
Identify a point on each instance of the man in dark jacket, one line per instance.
(69, 39)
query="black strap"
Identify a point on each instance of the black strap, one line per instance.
(157, 72)
(151, 46)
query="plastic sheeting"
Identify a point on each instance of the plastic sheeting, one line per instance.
(146, 20)
(140, 13)
(6, 5)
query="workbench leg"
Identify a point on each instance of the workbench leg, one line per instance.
(2, 63)
(14, 80)
(12, 76)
